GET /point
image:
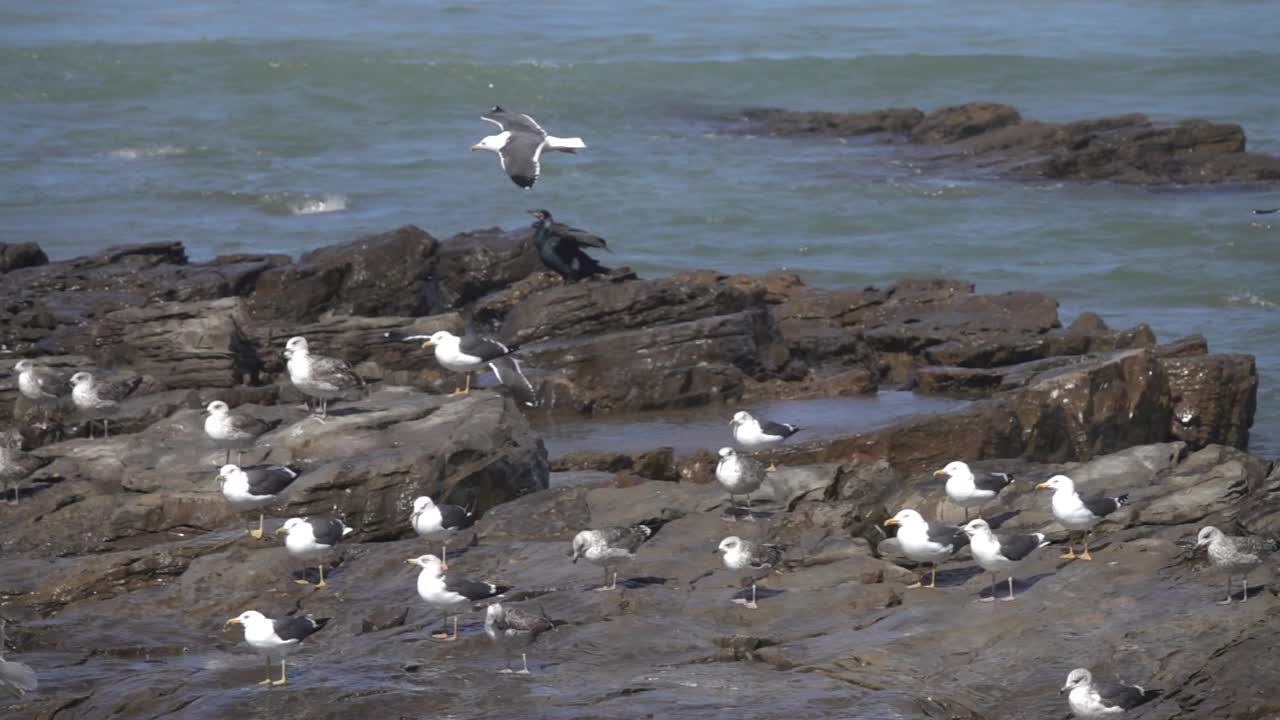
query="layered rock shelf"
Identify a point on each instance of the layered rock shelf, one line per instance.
(122, 560)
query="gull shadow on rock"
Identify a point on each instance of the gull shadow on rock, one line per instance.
(741, 513)
(1020, 585)
(996, 521)
(953, 577)
(347, 411)
(762, 593)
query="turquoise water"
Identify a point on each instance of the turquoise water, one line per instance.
(234, 127)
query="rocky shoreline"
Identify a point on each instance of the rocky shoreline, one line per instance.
(993, 138)
(122, 559)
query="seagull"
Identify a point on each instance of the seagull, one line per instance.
(224, 426)
(560, 248)
(16, 679)
(309, 537)
(610, 547)
(446, 593)
(511, 626)
(739, 554)
(1097, 700)
(1266, 212)
(41, 385)
(1000, 551)
(520, 145)
(926, 542)
(15, 465)
(255, 486)
(1235, 555)
(1079, 514)
(428, 518)
(318, 376)
(276, 638)
(90, 393)
(739, 475)
(967, 490)
(471, 352)
(754, 435)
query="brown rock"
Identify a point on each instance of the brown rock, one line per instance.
(14, 256)
(963, 121)
(1214, 398)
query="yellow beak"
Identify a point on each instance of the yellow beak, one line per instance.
(1044, 486)
(229, 623)
(427, 344)
(280, 530)
(891, 521)
(412, 561)
(476, 147)
(939, 472)
(222, 478)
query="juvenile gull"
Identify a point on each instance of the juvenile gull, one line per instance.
(1098, 699)
(100, 397)
(610, 547)
(312, 537)
(968, 489)
(754, 435)
(429, 519)
(739, 554)
(276, 638)
(230, 428)
(560, 248)
(1079, 514)
(317, 376)
(1000, 551)
(926, 542)
(254, 487)
(16, 679)
(520, 144)
(738, 475)
(15, 465)
(1235, 554)
(450, 593)
(511, 627)
(41, 386)
(472, 352)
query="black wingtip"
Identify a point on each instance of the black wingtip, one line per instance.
(1122, 500)
(319, 622)
(497, 109)
(394, 335)
(1266, 212)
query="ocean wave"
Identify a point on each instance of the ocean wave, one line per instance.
(1248, 298)
(292, 203)
(148, 151)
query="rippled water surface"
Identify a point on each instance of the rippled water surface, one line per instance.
(289, 125)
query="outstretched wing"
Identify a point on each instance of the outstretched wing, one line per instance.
(578, 237)
(522, 157)
(483, 347)
(511, 375)
(512, 122)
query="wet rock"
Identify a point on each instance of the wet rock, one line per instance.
(960, 122)
(15, 256)
(472, 264)
(1214, 397)
(656, 464)
(782, 122)
(385, 274)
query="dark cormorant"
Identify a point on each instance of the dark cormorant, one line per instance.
(560, 247)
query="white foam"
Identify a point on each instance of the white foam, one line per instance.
(1248, 298)
(153, 151)
(327, 203)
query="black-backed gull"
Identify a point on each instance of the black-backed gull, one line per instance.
(969, 489)
(520, 144)
(450, 593)
(754, 435)
(429, 518)
(926, 542)
(1079, 514)
(1000, 551)
(1099, 699)
(276, 638)
(313, 537)
(254, 487)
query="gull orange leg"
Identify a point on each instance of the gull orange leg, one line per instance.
(284, 677)
(1071, 548)
(1085, 555)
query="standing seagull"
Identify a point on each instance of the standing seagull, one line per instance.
(276, 638)
(42, 386)
(101, 396)
(511, 626)
(1078, 514)
(967, 489)
(1000, 551)
(738, 475)
(754, 435)
(1235, 555)
(446, 593)
(254, 487)
(610, 547)
(739, 554)
(926, 542)
(16, 679)
(471, 352)
(312, 537)
(318, 376)
(560, 248)
(428, 518)
(15, 465)
(233, 428)
(520, 145)
(1097, 700)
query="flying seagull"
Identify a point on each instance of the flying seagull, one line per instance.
(1235, 555)
(926, 542)
(754, 435)
(560, 248)
(1079, 514)
(967, 489)
(1097, 699)
(471, 352)
(276, 638)
(520, 145)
